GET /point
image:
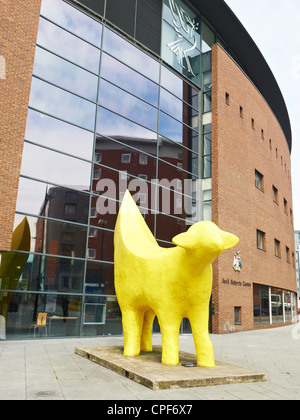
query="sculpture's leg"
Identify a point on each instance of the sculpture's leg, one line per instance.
(146, 340)
(204, 348)
(170, 340)
(132, 329)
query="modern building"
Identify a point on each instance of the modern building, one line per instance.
(171, 99)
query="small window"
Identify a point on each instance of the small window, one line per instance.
(277, 248)
(252, 124)
(71, 196)
(91, 253)
(70, 209)
(276, 152)
(227, 98)
(275, 195)
(287, 250)
(270, 144)
(126, 158)
(237, 315)
(143, 159)
(241, 112)
(98, 157)
(285, 206)
(261, 239)
(259, 180)
(96, 174)
(262, 133)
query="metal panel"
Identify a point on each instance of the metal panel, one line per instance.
(148, 23)
(122, 14)
(94, 5)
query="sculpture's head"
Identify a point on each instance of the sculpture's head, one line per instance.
(206, 238)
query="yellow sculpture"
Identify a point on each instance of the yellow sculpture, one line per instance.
(13, 264)
(173, 283)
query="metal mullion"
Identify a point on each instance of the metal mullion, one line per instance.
(22, 213)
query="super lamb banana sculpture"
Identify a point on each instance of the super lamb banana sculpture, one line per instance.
(173, 283)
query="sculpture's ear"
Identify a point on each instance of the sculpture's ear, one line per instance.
(183, 240)
(229, 240)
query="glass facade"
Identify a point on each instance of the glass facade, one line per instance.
(273, 306)
(103, 116)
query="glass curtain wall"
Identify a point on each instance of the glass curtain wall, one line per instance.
(103, 116)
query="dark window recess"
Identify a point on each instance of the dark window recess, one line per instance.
(148, 23)
(94, 5)
(122, 14)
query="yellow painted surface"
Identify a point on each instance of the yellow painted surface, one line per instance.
(173, 283)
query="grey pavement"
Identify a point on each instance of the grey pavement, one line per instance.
(49, 369)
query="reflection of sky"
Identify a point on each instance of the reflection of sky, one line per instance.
(128, 79)
(129, 106)
(54, 167)
(65, 74)
(72, 19)
(58, 135)
(130, 55)
(69, 46)
(110, 124)
(62, 104)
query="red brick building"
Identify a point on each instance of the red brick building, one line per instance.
(91, 90)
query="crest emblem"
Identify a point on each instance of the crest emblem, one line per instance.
(185, 28)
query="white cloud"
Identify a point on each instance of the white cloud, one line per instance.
(274, 26)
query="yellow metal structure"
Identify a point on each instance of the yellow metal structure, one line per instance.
(172, 283)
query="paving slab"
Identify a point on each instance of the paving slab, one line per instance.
(147, 369)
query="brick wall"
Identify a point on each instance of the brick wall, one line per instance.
(18, 32)
(240, 207)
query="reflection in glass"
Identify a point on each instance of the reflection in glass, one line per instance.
(55, 167)
(113, 125)
(130, 55)
(127, 105)
(68, 46)
(128, 79)
(47, 273)
(63, 315)
(56, 238)
(64, 74)
(64, 105)
(48, 131)
(72, 19)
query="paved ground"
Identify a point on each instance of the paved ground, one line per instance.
(40, 369)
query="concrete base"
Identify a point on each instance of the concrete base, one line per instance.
(147, 369)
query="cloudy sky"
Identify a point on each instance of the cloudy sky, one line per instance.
(275, 27)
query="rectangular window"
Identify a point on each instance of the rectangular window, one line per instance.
(275, 195)
(126, 158)
(252, 124)
(261, 240)
(287, 250)
(70, 209)
(237, 315)
(227, 98)
(285, 206)
(262, 134)
(277, 248)
(241, 112)
(259, 178)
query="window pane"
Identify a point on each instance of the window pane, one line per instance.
(99, 278)
(72, 19)
(63, 315)
(127, 105)
(113, 125)
(130, 55)
(48, 131)
(64, 74)
(128, 79)
(61, 104)
(55, 238)
(43, 272)
(68, 46)
(40, 198)
(55, 167)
